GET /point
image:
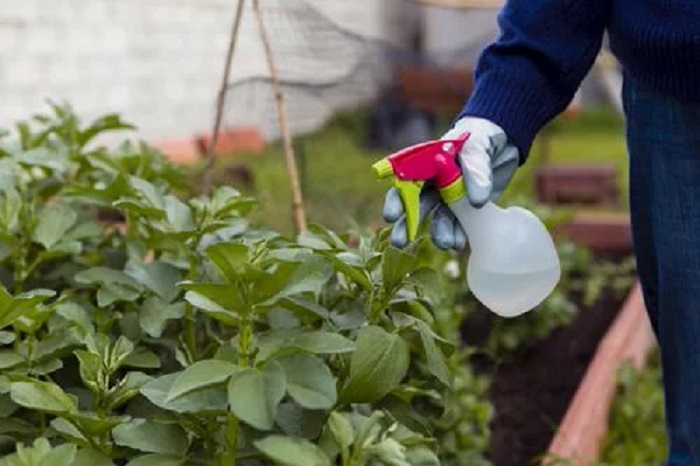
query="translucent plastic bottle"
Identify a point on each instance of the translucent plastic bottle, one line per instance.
(513, 264)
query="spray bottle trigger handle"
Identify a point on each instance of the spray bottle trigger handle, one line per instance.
(409, 191)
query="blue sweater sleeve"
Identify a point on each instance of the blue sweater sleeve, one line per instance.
(531, 72)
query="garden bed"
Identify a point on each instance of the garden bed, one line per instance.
(531, 395)
(534, 380)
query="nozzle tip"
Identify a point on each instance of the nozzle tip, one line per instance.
(382, 169)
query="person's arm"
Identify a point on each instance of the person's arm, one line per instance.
(532, 71)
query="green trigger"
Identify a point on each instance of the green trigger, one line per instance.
(409, 191)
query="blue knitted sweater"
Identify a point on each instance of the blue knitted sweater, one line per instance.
(530, 73)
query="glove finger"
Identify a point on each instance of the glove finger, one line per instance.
(399, 236)
(476, 166)
(429, 199)
(393, 206)
(504, 166)
(461, 240)
(443, 228)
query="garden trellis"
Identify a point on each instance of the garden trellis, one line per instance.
(319, 66)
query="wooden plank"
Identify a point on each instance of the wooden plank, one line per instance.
(579, 437)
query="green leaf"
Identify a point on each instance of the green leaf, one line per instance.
(304, 308)
(10, 207)
(351, 265)
(41, 454)
(320, 342)
(41, 396)
(230, 259)
(6, 338)
(293, 279)
(90, 368)
(396, 264)
(156, 460)
(254, 395)
(179, 215)
(309, 381)
(389, 451)
(68, 430)
(211, 309)
(422, 456)
(159, 277)
(155, 313)
(13, 307)
(376, 367)
(149, 193)
(223, 295)
(62, 455)
(341, 428)
(10, 359)
(151, 437)
(105, 275)
(128, 388)
(57, 344)
(15, 426)
(436, 360)
(119, 352)
(54, 223)
(289, 451)
(296, 421)
(90, 457)
(142, 359)
(83, 231)
(115, 285)
(94, 424)
(199, 375)
(75, 314)
(428, 281)
(210, 399)
(324, 343)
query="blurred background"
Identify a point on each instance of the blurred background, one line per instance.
(359, 80)
(363, 76)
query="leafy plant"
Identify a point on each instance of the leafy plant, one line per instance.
(176, 333)
(637, 433)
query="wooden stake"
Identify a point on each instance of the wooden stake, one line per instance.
(221, 101)
(297, 200)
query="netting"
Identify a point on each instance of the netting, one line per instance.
(336, 54)
(333, 55)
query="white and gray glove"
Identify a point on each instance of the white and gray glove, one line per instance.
(488, 162)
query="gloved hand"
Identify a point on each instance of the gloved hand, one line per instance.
(488, 162)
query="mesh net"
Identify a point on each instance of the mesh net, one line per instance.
(330, 56)
(322, 67)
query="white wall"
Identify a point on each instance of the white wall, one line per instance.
(159, 62)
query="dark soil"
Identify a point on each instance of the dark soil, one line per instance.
(531, 396)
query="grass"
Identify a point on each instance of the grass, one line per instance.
(339, 187)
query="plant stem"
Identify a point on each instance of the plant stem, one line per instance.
(190, 323)
(245, 336)
(297, 200)
(221, 101)
(231, 440)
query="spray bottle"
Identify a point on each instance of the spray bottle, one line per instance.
(513, 264)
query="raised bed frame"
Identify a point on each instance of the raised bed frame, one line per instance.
(579, 438)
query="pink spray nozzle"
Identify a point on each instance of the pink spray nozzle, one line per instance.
(413, 166)
(432, 160)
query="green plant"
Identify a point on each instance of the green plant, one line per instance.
(182, 335)
(637, 435)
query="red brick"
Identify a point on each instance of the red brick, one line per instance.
(230, 141)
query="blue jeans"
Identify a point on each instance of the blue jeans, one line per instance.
(663, 138)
